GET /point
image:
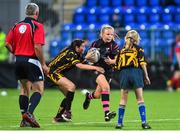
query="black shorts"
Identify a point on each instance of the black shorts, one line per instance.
(108, 75)
(28, 68)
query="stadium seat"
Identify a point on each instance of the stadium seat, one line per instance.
(154, 3)
(104, 15)
(129, 14)
(143, 26)
(167, 15)
(145, 44)
(129, 2)
(116, 3)
(79, 15)
(79, 32)
(168, 34)
(177, 14)
(159, 45)
(130, 26)
(140, 3)
(153, 18)
(177, 2)
(156, 25)
(54, 48)
(92, 15)
(141, 14)
(66, 31)
(104, 3)
(91, 3)
(91, 33)
(154, 15)
(144, 34)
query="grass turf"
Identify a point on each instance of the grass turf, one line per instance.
(163, 112)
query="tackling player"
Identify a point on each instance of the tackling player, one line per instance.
(67, 59)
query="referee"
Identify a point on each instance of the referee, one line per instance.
(25, 40)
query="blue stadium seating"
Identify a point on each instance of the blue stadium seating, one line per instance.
(154, 3)
(129, 15)
(79, 15)
(91, 33)
(104, 15)
(154, 15)
(92, 14)
(132, 14)
(168, 34)
(144, 34)
(79, 32)
(140, 3)
(177, 14)
(129, 2)
(66, 31)
(116, 3)
(104, 3)
(167, 15)
(145, 44)
(91, 3)
(141, 14)
(177, 2)
(130, 26)
(54, 47)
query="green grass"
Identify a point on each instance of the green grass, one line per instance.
(163, 112)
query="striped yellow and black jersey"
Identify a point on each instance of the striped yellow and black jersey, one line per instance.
(64, 61)
(133, 57)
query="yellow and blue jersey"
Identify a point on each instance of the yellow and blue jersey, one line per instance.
(133, 57)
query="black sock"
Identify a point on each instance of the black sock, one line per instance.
(34, 101)
(61, 108)
(69, 99)
(105, 102)
(23, 103)
(63, 103)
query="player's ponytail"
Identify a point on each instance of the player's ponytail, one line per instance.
(128, 44)
(132, 37)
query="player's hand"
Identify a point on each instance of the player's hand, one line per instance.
(109, 61)
(89, 55)
(45, 69)
(147, 80)
(100, 69)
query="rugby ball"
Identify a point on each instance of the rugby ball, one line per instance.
(96, 55)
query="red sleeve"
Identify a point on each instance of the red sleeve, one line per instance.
(9, 38)
(39, 34)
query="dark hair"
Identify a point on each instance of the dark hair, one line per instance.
(76, 43)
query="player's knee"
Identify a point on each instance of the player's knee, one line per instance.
(106, 88)
(71, 87)
(38, 87)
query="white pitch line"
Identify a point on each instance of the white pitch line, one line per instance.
(85, 123)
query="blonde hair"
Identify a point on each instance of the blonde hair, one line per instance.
(31, 9)
(105, 27)
(132, 37)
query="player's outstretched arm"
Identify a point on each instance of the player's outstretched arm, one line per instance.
(89, 67)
